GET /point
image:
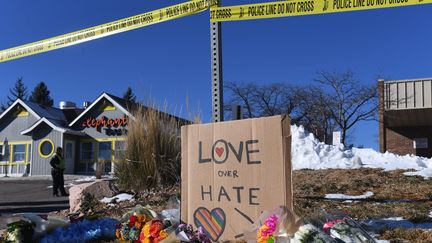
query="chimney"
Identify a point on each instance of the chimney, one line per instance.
(86, 104)
(237, 112)
(67, 105)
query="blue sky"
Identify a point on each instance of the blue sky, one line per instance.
(171, 61)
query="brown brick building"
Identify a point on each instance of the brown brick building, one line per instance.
(405, 116)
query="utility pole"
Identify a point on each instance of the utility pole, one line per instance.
(216, 67)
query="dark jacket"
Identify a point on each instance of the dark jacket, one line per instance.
(55, 162)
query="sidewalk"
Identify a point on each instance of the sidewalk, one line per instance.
(68, 177)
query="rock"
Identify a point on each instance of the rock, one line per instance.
(98, 189)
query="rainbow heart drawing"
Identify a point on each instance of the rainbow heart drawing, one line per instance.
(213, 223)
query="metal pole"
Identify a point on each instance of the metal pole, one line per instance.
(216, 67)
(237, 113)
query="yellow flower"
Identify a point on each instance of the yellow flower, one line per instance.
(263, 239)
(163, 234)
(260, 237)
(118, 233)
(146, 230)
(142, 218)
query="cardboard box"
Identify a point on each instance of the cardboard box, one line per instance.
(231, 171)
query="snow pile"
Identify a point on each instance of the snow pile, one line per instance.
(92, 178)
(86, 179)
(309, 153)
(343, 196)
(66, 186)
(119, 198)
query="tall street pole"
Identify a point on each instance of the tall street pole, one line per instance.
(216, 70)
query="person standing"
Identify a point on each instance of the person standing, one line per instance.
(58, 166)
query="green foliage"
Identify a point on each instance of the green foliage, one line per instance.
(152, 155)
(41, 95)
(88, 204)
(19, 231)
(19, 91)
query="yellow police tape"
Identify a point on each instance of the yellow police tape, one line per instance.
(301, 7)
(115, 27)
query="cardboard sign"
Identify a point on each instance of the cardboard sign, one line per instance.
(231, 171)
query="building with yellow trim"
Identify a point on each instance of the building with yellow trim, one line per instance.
(30, 133)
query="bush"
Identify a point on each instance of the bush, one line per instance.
(152, 155)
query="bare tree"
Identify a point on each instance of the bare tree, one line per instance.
(275, 99)
(314, 112)
(243, 95)
(350, 101)
(262, 100)
(306, 105)
(339, 101)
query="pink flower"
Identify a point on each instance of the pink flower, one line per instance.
(271, 222)
(329, 224)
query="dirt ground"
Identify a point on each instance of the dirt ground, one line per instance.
(395, 195)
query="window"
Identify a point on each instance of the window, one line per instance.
(69, 151)
(86, 151)
(46, 148)
(105, 151)
(29, 153)
(19, 153)
(105, 154)
(120, 147)
(2, 159)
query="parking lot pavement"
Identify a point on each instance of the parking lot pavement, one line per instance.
(27, 195)
(19, 196)
(32, 195)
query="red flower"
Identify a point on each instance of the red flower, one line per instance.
(132, 221)
(155, 227)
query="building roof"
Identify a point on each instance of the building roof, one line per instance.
(54, 125)
(63, 120)
(50, 113)
(23, 104)
(116, 101)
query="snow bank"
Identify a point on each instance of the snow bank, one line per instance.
(86, 179)
(119, 198)
(343, 196)
(309, 153)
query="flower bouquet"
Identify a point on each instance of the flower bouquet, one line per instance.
(19, 231)
(266, 232)
(131, 230)
(276, 225)
(153, 232)
(346, 229)
(142, 228)
(309, 233)
(186, 233)
(332, 227)
(144, 225)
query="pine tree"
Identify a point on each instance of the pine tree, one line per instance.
(41, 95)
(19, 91)
(129, 96)
(2, 108)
